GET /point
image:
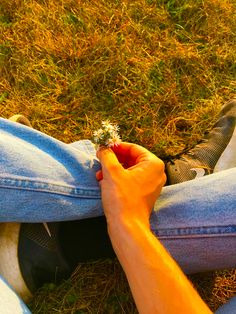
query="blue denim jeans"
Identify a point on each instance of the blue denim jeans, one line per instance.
(43, 179)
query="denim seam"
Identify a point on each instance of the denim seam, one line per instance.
(37, 186)
(194, 232)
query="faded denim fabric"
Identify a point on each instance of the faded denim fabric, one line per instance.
(196, 222)
(43, 179)
(228, 308)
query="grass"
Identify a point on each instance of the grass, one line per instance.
(160, 69)
(101, 287)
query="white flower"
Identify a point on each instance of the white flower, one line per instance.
(114, 141)
(97, 134)
(106, 123)
(107, 135)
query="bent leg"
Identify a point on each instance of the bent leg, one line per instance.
(43, 179)
(196, 222)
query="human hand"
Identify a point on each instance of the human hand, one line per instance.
(131, 180)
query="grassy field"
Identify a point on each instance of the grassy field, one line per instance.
(160, 69)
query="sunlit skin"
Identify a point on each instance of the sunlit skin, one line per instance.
(131, 180)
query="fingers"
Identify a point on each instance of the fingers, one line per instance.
(130, 154)
(109, 162)
(133, 150)
(135, 157)
(99, 175)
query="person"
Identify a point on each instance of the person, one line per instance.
(44, 180)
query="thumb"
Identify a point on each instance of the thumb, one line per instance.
(109, 161)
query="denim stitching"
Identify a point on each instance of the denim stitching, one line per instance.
(196, 231)
(81, 191)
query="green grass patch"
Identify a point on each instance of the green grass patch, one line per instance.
(159, 69)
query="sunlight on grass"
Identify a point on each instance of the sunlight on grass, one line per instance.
(145, 59)
(159, 69)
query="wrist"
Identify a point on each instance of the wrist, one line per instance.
(124, 215)
(127, 221)
(124, 231)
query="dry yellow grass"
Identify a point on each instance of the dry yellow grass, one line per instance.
(101, 287)
(160, 69)
(68, 63)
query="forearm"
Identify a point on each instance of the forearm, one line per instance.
(157, 283)
(128, 194)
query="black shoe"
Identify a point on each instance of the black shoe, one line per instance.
(85, 240)
(215, 153)
(40, 255)
(29, 257)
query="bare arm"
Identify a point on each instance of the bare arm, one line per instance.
(128, 194)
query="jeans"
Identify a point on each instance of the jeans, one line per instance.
(43, 179)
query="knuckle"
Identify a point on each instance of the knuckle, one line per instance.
(160, 165)
(164, 179)
(114, 168)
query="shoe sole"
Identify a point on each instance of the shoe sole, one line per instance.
(228, 158)
(9, 262)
